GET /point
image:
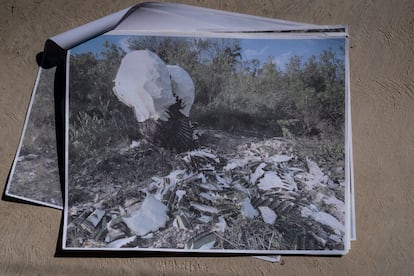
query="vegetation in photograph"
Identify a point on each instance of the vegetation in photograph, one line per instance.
(257, 125)
(36, 174)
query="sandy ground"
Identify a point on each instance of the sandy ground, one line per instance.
(382, 85)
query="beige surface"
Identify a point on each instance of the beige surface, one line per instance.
(382, 90)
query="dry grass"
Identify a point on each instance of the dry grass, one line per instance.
(121, 177)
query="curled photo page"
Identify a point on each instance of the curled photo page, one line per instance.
(198, 131)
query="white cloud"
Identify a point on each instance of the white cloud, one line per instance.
(283, 59)
(255, 53)
(263, 54)
(124, 44)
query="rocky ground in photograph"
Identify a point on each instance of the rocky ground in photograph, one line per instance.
(235, 192)
(36, 177)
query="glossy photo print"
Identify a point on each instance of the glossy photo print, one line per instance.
(207, 144)
(34, 176)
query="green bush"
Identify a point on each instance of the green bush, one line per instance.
(305, 99)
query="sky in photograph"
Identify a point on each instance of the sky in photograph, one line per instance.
(279, 50)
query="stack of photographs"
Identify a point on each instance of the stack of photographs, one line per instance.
(185, 129)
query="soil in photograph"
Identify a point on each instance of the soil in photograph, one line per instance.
(234, 192)
(36, 177)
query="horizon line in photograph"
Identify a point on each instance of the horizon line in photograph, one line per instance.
(259, 50)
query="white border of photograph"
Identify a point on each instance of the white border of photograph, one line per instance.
(350, 141)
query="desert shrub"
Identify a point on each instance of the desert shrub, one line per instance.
(305, 99)
(41, 125)
(97, 118)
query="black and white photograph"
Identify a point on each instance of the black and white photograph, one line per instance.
(34, 176)
(207, 144)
